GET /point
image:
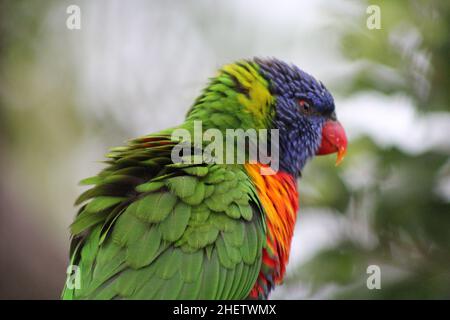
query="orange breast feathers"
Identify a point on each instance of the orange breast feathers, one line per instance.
(279, 197)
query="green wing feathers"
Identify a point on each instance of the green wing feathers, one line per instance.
(152, 229)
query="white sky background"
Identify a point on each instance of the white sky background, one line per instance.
(142, 63)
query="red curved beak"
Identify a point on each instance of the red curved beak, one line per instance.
(333, 140)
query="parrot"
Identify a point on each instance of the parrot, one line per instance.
(151, 228)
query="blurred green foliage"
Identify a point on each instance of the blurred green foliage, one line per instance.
(407, 217)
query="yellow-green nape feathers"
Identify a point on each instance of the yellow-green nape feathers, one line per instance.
(238, 97)
(258, 99)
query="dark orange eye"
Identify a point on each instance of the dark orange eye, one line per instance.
(305, 107)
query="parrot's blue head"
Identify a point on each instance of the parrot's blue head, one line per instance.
(304, 115)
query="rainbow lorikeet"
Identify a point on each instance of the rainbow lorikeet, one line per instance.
(150, 228)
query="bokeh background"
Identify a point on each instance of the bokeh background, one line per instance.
(135, 67)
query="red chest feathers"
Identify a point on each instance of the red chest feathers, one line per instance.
(279, 197)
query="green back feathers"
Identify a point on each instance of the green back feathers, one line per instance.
(152, 229)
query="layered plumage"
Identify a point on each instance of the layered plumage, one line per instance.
(150, 228)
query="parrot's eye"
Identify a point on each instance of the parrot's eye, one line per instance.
(305, 106)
